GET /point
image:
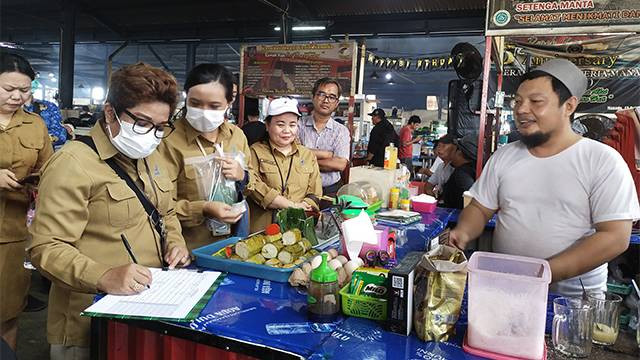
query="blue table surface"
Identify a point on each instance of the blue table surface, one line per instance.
(243, 306)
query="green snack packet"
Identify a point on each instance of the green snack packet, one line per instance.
(370, 282)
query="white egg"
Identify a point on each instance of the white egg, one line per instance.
(332, 253)
(343, 259)
(351, 266)
(359, 261)
(334, 264)
(316, 261)
(306, 267)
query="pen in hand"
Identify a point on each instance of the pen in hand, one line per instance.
(130, 251)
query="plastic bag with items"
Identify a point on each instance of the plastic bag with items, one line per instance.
(213, 186)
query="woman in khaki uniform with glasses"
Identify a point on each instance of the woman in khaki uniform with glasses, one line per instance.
(283, 173)
(24, 147)
(201, 127)
(85, 208)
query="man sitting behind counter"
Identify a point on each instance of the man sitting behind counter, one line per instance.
(560, 197)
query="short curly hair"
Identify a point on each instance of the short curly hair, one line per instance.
(140, 83)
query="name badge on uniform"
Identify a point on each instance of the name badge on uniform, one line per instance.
(270, 162)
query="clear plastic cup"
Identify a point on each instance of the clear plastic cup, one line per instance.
(606, 316)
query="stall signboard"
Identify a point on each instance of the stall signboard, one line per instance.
(611, 64)
(529, 17)
(292, 69)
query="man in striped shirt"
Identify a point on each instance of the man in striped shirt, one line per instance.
(328, 139)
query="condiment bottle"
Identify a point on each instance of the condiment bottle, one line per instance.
(405, 204)
(322, 297)
(390, 157)
(394, 197)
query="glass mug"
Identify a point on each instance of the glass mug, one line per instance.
(638, 329)
(606, 318)
(572, 330)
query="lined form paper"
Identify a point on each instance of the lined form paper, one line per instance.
(172, 295)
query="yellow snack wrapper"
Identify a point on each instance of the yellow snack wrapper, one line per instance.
(439, 287)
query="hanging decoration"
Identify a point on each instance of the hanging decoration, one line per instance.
(425, 63)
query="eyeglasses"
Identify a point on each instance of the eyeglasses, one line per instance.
(142, 126)
(324, 96)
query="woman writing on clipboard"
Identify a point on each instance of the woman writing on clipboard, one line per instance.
(283, 174)
(102, 200)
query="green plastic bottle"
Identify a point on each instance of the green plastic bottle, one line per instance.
(323, 304)
(404, 203)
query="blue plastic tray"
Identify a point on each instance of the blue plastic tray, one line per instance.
(205, 259)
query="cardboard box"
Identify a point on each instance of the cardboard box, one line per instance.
(400, 294)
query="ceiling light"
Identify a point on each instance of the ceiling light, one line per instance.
(303, 28)
(51, 75)
(308, 28)
(8, 45)
(97, 93)
(387, 76)
(374, 75)
(53, 79)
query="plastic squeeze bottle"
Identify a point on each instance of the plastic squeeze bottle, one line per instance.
(390, 157)
(322, 298)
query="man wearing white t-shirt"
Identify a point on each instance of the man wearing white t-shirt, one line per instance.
(560, 197)
(444, 150)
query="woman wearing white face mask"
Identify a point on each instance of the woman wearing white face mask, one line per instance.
(209, 89)
(86, 206)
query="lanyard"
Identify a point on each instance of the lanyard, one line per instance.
(282, 180)
(163, 234)
(204, 153)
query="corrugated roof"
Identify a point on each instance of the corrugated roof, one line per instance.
(331, 8)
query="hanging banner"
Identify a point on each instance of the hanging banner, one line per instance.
(424, 63)
(610, 62)
(530, 17)
(292, 69)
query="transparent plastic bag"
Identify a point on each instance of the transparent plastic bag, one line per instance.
(213, 186)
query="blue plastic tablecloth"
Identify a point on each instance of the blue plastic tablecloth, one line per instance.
(242, 307)
(455, 213)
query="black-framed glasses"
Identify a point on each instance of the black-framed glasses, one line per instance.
(143, 126)
(323, 95)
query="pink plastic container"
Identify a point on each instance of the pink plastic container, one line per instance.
(508, 304)
(494, 356)
(423, 207)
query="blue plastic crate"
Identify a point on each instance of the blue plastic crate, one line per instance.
(205, 259)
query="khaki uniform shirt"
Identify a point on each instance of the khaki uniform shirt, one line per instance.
(181, 145)
(82, 210)
(267, 179)
(24, 147)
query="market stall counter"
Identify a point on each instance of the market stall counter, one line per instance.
(255, 318)
(238, 315)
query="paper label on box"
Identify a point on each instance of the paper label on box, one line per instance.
(397, 282)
